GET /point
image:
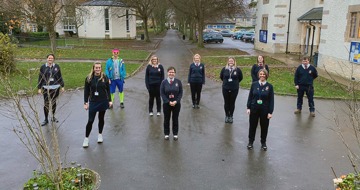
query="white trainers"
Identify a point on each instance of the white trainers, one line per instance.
(100, 138)
(86, 142)
(176, 137)
(151, 113)
(158, 114)
(166, 137)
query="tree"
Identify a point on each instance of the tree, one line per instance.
(205, 10)
(144, 10)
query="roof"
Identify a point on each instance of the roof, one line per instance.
(313, 14)
(104, 3)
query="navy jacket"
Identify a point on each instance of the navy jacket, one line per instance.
(254, 71)
(196, 74)
(154, 75)
(265, 94)
(173, 92)
(305, 77)
(96, 85)
(47, 72)
(236, 76)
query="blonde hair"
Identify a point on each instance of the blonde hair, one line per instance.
(92, 72)
(227, 63)
(196, 55)
(152, 57)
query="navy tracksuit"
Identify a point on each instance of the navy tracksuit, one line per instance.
(196, 79)
(171, 92)
(154, 75)
(305, 78)
(230, 88)
(261, 103)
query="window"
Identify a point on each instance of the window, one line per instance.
(127, 21)
(354, 25)
(33, 28)
(107, 26)
(264, 23)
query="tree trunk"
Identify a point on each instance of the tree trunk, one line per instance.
(52, 36)
(200, 42)
(147, 39)
(191, 35)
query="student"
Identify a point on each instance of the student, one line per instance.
(171, 93)
(115, 71)
(96, 99)
(303, 79)
(260, 106)
(154, 75)
(49, 82)
(256, 68)
(196, 79)
(231, 77)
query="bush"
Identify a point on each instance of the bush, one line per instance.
(7, 52)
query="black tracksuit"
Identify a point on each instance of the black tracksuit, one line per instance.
(153, 77)
(230, 88)
(171, 92)
(196, 79)
(304, 78)
(97, 94)
(261, 103)
(49, 76)
(255, 69)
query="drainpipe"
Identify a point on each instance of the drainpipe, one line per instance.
(312, 41)
(288, 29)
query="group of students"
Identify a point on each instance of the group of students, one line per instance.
(100, 87)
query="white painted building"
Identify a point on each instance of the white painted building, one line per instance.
(107, 20)
(279, 30)
(340, 27)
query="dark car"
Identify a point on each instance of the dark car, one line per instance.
(226, 33)
(213, 37)
(247, 36)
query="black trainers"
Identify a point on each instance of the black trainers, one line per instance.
(197, 106)
(263, 146)
(45, 122)
(231, 119)
(250, 146)
(54, 120)
(193, 106)
(122, 105)
(226, 119)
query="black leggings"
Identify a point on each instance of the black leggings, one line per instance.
(229, 101)
(91, 121)
(195, 93)
(50, 95)
(154, 92)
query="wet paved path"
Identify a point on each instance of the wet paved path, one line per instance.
(209, 153)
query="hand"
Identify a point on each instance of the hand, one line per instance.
(188, 84)
(110, 104)
(269, 116)
(297, 86)
(86, 106)
(62, 89)
(109, 81)
(39, 91)
(248, 111)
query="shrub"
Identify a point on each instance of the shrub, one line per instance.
(7, 51)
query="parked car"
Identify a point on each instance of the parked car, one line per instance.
(237, 35)
(213, 37)
(226, 33)
(252, 38)
(247, 36)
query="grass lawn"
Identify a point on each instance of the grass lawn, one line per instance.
(80, 53)
(73, 74)
(240, 61)
(218, 52)
(282, 78)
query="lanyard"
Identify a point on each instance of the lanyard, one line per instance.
(231, 72)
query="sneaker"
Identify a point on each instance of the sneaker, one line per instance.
(297, 111)
(122, 105)
(100, 138)
(86, 142)
(312, 114)
(193, 106)
(226, 119)
(250, 146)
(166, 137)
(231, 119)
(151, 113)
(263, 146)
(176, 137)
(197, 106)
(45, 122)
(158, 114)
(54, 120)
